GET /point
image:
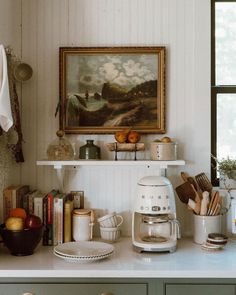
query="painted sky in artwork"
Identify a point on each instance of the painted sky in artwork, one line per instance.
(90, 72)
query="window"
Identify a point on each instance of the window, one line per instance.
(223, 80)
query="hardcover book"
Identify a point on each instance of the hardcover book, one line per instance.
(38, 205)
(12, 198)
(68, 208)
(7, 201)
(48, 218)
(27, 201)
(58, 218)
(21, 191)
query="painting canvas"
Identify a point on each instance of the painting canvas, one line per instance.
(106, 89)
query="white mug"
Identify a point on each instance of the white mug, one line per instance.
(111, 220)
(204, 225)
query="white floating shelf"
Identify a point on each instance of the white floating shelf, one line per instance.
(147, 163)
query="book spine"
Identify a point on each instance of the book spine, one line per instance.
(45, 210)
(31, 204)
(21, 192)
(38, 207)
(14, 198)
(55, 221)
(60, 220)
(50, 219)
(58, 211)
(68, 207)
(18, 200)
(25, 203)
(7, 202)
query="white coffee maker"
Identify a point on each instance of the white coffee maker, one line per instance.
(154, 224)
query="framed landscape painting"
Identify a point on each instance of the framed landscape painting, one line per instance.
(103, 90)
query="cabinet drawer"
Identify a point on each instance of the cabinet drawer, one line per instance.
(196, 289)
(74, 289)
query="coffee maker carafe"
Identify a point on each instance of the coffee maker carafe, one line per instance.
(154, 224)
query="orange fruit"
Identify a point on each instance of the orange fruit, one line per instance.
(18, 212)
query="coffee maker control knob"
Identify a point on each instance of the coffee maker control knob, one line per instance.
(156, 208)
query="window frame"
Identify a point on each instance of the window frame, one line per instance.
(215, 90)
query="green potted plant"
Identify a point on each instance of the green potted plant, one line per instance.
(227, 171)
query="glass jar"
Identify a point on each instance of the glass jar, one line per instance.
(89, 151)
(60, 148)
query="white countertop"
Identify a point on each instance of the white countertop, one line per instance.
(189, 261)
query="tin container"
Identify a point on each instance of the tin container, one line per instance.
(163, 151)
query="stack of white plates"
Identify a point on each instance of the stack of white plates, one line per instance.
(83, 251)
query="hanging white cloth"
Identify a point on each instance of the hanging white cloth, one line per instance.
(6, 120)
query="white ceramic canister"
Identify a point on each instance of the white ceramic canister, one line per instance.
(163, 151)
(204, 225)
(83, 221)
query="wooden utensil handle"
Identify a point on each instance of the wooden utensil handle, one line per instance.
(213, 194)
(214, 204)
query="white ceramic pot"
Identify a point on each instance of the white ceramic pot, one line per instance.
(204, 225)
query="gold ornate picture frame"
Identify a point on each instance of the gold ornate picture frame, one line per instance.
(103, 89)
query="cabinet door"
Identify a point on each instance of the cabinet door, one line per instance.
(74, 289)
(196, 289)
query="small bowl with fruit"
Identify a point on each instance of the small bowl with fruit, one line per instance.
(21, 233)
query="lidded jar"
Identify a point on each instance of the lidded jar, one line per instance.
(60, 148)
(83, 222)
(90, 151)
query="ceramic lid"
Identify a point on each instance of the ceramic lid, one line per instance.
(154, 181)
(81, 212)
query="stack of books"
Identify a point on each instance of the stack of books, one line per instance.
(54, 209)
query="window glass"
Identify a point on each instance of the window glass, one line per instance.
(226, 125)
(225, 51)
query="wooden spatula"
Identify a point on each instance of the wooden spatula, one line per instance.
(185, 192)
(204, 182)
(184, 176)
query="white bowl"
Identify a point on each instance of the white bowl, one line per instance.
(110, 234)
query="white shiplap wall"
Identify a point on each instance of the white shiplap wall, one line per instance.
(183, 26)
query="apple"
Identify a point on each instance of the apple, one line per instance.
(33, 221)
(133, 137)
(14, 223)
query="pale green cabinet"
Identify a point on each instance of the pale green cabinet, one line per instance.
(199, 289)
(74, 289)
(115, 286)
